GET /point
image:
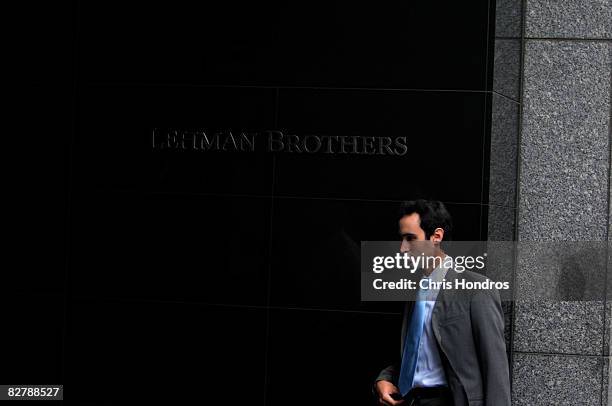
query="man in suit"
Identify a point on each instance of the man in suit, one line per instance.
(453, 351)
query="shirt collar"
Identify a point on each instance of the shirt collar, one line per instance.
(439, 273)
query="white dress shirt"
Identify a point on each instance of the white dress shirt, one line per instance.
(429, 370)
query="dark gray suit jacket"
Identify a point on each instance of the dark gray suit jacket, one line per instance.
(469, 330)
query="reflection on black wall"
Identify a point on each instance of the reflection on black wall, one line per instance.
(232, 276)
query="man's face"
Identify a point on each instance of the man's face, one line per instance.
(413, 236)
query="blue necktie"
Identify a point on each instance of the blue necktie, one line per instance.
(411, 345)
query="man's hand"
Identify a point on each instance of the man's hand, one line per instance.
(385, 389)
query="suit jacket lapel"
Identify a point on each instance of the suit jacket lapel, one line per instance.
(437, 311)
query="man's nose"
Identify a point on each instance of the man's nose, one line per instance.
(404, 247)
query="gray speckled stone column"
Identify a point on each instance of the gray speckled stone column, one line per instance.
(505, 108)
(505, 120)
(561, 349)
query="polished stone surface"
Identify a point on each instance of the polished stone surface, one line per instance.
(303, 344)
(543, 379)
(569, 19)
(565, 138)
(506, 67)
(504, 151)
(415, 117)
(131, 347)
(501, 223)
(508, 16)
(572, 271)
(207, 249)
(559, 327)
(316, 249)
(331, 44)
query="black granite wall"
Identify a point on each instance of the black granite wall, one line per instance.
(232, 275)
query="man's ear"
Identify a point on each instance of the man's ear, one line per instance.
(437, 236)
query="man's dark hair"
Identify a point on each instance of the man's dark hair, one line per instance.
(433, 214)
